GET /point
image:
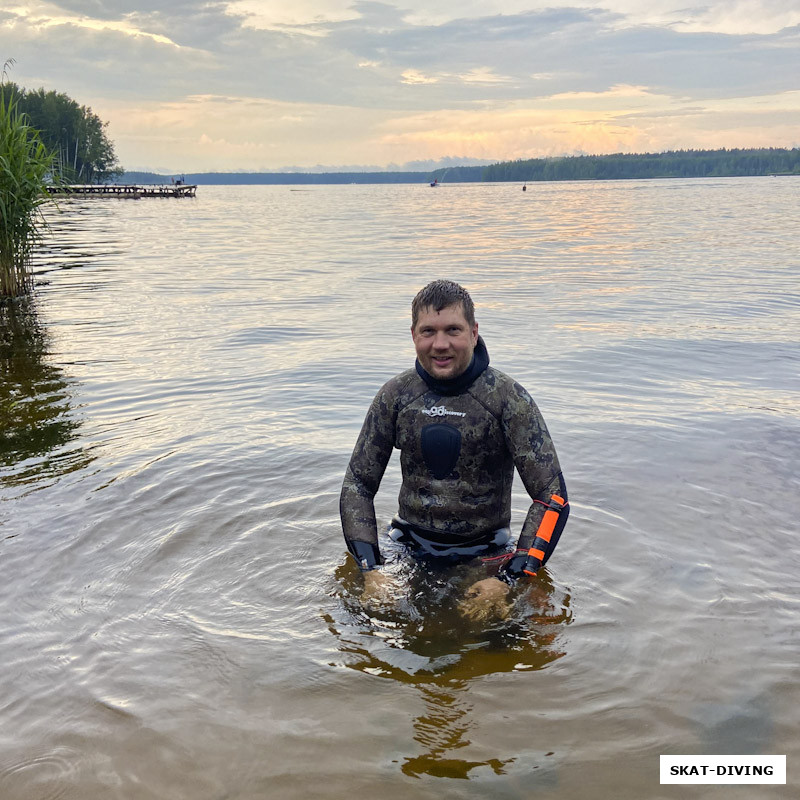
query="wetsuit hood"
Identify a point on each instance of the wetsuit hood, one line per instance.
(462, 382)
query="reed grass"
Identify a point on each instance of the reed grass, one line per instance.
(25, 166)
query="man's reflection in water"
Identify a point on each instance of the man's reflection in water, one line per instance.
(425, 642)
(36, 419)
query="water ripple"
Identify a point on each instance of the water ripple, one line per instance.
(177, 408)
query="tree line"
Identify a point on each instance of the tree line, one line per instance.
(45, 138)
(620, 166)
(671, 164)
(74, 134)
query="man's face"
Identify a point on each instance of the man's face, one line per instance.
(444, 341)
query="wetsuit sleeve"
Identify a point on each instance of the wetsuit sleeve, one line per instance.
(536, 461)
(363, 477)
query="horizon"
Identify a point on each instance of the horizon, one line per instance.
(323, 170)
(335, 85)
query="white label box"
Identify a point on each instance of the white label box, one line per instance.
(723, 769)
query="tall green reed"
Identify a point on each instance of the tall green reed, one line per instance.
(25, 167)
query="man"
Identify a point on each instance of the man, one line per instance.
(461, 427)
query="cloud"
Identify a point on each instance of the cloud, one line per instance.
(483, 75)
(477, 75)
(737, 17)
(314, 81)
(618, 91)
(234, 132)
(120, 9)
(528, 133)
(531, 54)
(415, 77)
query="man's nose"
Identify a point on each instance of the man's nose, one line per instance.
(440, 341)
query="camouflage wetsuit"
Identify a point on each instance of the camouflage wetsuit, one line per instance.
(459, 442)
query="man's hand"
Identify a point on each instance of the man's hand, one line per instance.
(379, 589)
(485, 599)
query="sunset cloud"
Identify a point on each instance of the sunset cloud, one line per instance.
(250, 84)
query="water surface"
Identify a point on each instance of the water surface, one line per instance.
(178, 407)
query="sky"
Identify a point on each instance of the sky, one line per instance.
(269, 85)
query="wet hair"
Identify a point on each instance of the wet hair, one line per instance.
(440, 294)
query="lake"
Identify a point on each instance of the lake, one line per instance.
(180, 618)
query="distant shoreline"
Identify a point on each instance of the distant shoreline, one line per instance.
(278, 178)
(619, 166)
(366, 179)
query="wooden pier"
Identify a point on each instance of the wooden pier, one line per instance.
(125, 191)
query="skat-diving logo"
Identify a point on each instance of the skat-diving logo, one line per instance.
(441, 411)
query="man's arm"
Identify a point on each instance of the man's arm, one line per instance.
(537, 463)
(363, 477)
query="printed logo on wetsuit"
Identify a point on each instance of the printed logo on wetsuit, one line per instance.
(441, 411)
